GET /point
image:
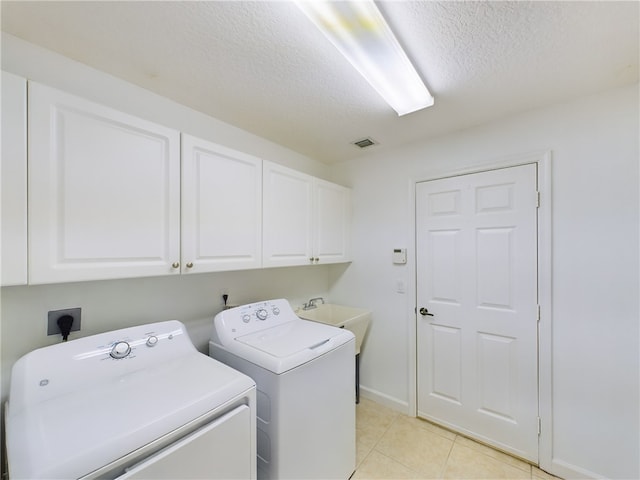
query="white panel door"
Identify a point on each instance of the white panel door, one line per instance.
(477, 306)
(332, 221)
(287, 217)
(221, 208)
(14, 180)
(104, 192)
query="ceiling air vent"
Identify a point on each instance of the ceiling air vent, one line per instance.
(364, 143)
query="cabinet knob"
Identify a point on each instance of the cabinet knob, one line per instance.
(190, 265)
(175, 264)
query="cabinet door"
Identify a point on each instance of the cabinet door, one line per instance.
(332, 216)
(287, 216)
(14, 180)
(221, 208)
(104, 192)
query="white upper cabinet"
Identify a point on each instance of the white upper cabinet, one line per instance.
(14, 180)
(306, 220)
(221, 208)
(113, 196)
(287, 211)
(332, 222)
(104, 192)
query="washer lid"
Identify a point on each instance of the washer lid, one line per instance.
(290, 338)
(289, 345)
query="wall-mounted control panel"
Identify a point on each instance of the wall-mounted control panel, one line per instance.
(400, 256)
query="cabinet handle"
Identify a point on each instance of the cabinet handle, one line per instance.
(190, 265)
(175, 265)
(311, 259)
(317, 259)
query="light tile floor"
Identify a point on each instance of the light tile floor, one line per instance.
(394, 446)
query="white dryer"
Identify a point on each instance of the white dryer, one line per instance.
(304, 373)
(140, 402)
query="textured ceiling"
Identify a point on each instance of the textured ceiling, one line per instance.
(263, 67)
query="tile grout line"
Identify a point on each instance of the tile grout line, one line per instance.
(397, 417)
(375, 444)
(444, 467)
(373, 448)
(483, 451)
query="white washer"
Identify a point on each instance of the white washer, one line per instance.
(140, 402)
(304, 373)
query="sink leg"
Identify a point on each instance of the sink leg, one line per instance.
(357, 378)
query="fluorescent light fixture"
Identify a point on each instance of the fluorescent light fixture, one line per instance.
(360, 33)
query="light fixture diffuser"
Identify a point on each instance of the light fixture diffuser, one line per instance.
(358, 30)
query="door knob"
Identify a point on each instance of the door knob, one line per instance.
(424, 312)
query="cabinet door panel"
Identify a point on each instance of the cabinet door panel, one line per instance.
(104, 185)
(332, 215)
(221, 208)
(288, 197)
(14, 180)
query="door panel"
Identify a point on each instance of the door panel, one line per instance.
(494, 254)
(445, 282)
(477, 275)
(445, 363)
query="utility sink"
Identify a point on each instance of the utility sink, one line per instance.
(354, 319)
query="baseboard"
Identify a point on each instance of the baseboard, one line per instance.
(568, 471)
(383, 399)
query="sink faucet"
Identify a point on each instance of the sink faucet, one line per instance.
(312, 303)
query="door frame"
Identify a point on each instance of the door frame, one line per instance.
(543, 161)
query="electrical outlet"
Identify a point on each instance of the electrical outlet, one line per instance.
(54, 315)
(224, 291)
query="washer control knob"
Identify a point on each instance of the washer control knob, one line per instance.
(262, 314)
(120, 350)
(152, 341)
(276, 311)
(246, 318)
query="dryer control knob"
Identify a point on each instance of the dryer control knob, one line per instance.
(152, 341)
(262, 314)
(276, 311)
(120, 350)
(246, 318)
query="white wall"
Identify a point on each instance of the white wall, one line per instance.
(595, 242)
